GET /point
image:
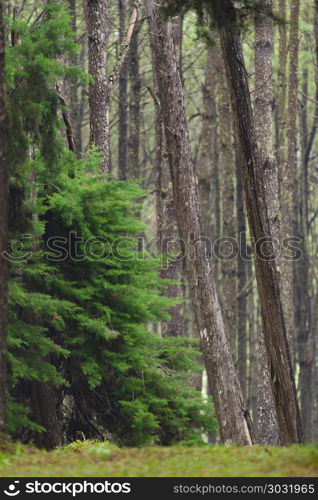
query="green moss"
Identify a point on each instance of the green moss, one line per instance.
(95, 459)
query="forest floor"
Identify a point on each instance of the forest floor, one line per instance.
(102, 460)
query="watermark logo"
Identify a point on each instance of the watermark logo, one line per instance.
(12, 491)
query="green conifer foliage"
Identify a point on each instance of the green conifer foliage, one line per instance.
(83, 300)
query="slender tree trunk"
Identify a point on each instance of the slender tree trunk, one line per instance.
(4, 176)
(134, 105)
(234, 422)
(97, 31)
(167, 233)
(281, 370)
(228, 260)
(122, 105)
(264, 37)
(242, 269)
(302, 280)
(73, 90)
(282, 87)
(253, 349)
(207, 152)
(289, 175)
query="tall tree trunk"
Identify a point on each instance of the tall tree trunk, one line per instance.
(302, 280)
(242, 270)
(253, 348)
(207, 153)
(134, 105)
(288, 175)
(97, 31)
(282, 87)
(228, 260)
(234, 422)
(259, 216)
(4, 176)
(122, 105)
(167, 232)
(264, 37)
(72, 88)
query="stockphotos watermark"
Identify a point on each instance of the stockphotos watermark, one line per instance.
(60, 248)
(71, 488)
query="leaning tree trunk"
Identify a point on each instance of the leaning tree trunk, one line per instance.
(4, 175)
(267, 425)
(97, 31)
(234, 422)
(281, 370)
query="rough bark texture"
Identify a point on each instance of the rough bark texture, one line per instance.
(267, 425)
(134, 105)
(122, 104)
(282, 87)
(167, 232)
(97, 29)
(44, 412)
(228, 260)
(302, 295)
(288, 176)
(207, 153)
(242, 269)
(4, 175)
(234, 422)
(253, 350)
(281, 370)
(73, 90)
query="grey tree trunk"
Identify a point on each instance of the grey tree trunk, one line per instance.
(242, 280)
(234, 422)
(281, 370)
(288, 175)
(122, 104)
(267, 425)
(133, 145)
(4, 176)
(97, 32)
(228, 260)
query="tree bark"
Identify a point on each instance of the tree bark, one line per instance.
(4, 177)
(288, 176)
(228, 261)
(234, 422)
(242, 270)
(122, 104)
(281, 370)
(134, 105)
(267, 426)
(97, 30)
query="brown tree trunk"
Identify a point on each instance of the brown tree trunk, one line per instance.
(207, 152)
(228, 250)
(302, 280)
(122, 104)
(44, 403)
(134, 105)
(267, 425)
(242, 270)
(288, 175)
(167, 233)
(281, 370)
(234, 422)
(4, 176)
(72, 88)
(97, 32)
(282, 87)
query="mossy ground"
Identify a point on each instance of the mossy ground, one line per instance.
(91, 459)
